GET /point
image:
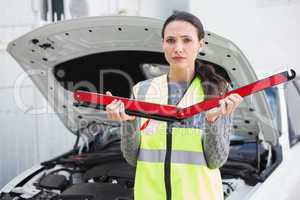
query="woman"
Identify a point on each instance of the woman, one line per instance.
(179, 160)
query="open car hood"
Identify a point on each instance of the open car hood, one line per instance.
(70, 55)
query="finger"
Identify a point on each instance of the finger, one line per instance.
(116, 117)
(123, 115)
(130, 117)
(229, 106)
(113, 110)
(108, 93)
(222, 106)
(237, 99)
(109, 106)
(212, 114)
(213, 111)
(110, 116)
(122, 111)
(234, 97)
(240, 98)
(235, 102)
(115, 107)
(126, 117)
(109, 111)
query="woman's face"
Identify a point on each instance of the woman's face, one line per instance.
(181, 44)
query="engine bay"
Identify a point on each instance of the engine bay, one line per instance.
(103, 173)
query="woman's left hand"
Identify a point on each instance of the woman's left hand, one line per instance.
(227, 106)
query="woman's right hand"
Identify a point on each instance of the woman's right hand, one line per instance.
(116, 110)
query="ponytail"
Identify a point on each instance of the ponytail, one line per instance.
(213, 84)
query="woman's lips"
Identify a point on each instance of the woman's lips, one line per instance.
(178, 58)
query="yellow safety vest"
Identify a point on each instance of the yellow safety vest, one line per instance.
(171, 162)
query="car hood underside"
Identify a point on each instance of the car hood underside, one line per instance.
(77, 54)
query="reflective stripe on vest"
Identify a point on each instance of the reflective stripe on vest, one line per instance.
(183, 157)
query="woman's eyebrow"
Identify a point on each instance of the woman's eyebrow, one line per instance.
(184, 36)
(170, 36)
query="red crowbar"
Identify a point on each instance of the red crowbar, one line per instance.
(172, 113)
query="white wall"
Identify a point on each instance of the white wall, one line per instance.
(267, 31)
(154, 8)
(26, 139)
(162, 9)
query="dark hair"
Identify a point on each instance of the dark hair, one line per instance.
(212, 83)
